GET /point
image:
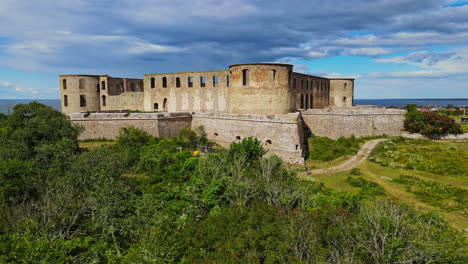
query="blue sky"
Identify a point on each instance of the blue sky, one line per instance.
(394, 48)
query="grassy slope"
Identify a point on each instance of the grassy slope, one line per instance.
(373, 172)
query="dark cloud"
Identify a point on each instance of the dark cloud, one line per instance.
(140, 36)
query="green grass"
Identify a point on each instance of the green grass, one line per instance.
(438, 194)
(387, 179)
(438, 157)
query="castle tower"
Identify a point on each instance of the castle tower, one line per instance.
(260, 88)
(79, 93)
(341, 92)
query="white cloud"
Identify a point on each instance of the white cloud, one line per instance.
(434, 64)
(375, 51)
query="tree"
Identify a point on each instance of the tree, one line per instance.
(430, 124)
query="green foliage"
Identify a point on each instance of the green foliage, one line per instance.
(250, 149)
(355, 171)
(435, 157)
(368, 188)
(438, 194)
(430, 124)
(148, 200)
(133, 137)
(326, 149)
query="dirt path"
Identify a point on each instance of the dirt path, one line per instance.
(354, 161)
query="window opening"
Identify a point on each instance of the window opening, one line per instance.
(65, 100)
(190, 81)
(82, 101)
(103, 100)
(177, 80)
(202, 81)
(164, 82)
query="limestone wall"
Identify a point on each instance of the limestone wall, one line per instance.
(260, 88)
(341, 92)
(187, 91)
(310, 92)
(79, 93)
(281, 135)
(108, 125)
(336, 122)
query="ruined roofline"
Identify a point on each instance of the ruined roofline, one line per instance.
(172, 73)
(308, 75)
(84, 75)
(261, 63)
(90, 75)
(351, 79)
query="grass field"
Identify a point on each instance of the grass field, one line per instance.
(442, 192)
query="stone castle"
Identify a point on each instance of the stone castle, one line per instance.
(265, 100)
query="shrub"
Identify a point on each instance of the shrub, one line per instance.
(430, 124)
(355, 171)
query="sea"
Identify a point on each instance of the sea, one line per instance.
(6, 106)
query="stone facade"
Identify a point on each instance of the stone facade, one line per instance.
(264, 100)
(337, 122)
(281, 135)
(108, 125)
(254, 88)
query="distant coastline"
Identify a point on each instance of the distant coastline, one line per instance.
(7, 104)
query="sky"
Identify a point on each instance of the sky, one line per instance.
(393, 48)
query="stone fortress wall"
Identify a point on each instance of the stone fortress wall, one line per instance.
(264, 100)
(335, 122)
(222, 128)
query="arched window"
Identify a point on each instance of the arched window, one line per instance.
(302, 101)
(273, 75)
(82, 101)
(311, 102)
(103, 100)
(64, 84)
(153, 83)
(65, 100)
(344, 100)
(268, 142)
(216, 134)
(177, 81)
(165, 104)
(238, 138)
(164, 82)
(306, 101)
(245, 76)
(156, 106)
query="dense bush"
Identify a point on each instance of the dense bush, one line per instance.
(430, 124)
(147, 200)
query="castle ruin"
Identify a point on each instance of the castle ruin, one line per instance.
(265, 100)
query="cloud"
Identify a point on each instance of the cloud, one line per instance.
(420, 58)
(376, 51)
(435, 64)
(134, 37)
